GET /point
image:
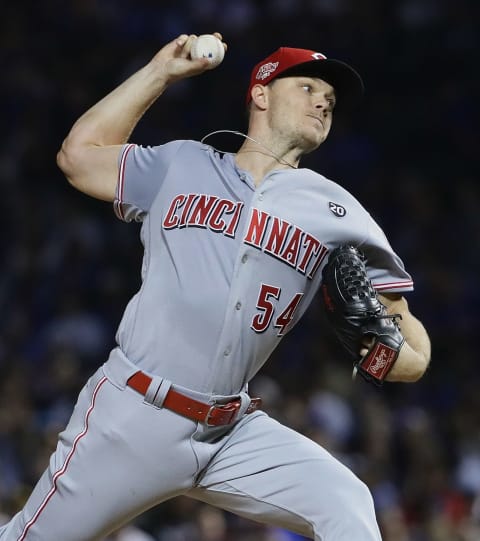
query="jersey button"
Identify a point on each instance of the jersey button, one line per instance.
(260, 197)
(244, 258)
(238, 305)
(227, 352)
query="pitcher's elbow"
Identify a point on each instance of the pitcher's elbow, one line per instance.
(66, 162)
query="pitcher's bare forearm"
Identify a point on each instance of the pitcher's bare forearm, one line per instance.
(415, 353)
(112, 120)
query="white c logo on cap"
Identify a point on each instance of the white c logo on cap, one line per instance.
(319, 56)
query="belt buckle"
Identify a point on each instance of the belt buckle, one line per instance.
(231, 410)
(209, 414)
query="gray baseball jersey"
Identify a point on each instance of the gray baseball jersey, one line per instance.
(228, 270)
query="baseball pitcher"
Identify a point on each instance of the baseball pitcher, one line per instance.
(236, 246)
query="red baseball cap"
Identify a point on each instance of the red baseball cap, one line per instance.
(288, 61)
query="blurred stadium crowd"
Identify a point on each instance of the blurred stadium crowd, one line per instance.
(409, 154)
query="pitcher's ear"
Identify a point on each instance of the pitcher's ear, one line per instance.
(259, 94)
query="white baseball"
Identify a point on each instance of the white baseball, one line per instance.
(208, 46)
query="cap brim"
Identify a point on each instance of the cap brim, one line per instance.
(348, 84)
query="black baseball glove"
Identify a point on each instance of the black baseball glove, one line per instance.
(355, 313)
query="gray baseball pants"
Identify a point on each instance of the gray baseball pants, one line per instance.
(120, 455)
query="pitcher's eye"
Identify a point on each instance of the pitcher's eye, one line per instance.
(308, 88)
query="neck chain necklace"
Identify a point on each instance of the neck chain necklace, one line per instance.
(270, 152)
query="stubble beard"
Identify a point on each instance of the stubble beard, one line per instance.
(294, 138)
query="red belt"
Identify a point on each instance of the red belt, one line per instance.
(211, 415)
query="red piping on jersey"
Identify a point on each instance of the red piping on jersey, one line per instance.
(63, 469)
(121, 182)
(394, 285)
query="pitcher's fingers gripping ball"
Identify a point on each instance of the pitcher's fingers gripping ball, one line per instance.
(208, 46)
(355, 312)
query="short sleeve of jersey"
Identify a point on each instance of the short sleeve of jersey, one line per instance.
(140, 176)
(384, 267)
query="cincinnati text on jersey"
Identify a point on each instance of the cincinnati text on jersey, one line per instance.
(276, 237)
